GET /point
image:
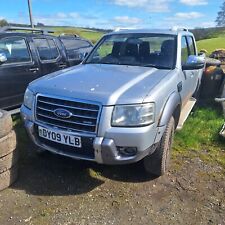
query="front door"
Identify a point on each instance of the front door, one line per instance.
(17, 72)
(188, 76)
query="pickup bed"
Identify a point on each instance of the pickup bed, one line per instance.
(122, 104)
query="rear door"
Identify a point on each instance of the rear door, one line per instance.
(49, 54)
(17, 72)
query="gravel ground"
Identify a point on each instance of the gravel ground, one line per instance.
(56, 190)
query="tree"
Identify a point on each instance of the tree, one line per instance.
(3, 23)
(40, 25)
(220, 20)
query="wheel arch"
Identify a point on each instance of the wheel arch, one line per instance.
(172, 107)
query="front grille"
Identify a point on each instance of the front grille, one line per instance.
(84, 116)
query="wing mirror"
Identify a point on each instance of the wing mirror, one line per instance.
(3, 58)
(194, 63)
(80, 56)
(84, 55)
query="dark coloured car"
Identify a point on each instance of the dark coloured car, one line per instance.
(26, 56)
(76, 48)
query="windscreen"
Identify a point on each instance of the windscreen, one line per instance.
(153, 50)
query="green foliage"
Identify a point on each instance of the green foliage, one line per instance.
(89, 34)
(220, 20)
(211, 44)
(3, 23)
(201, 134)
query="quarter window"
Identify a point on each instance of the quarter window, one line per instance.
(73, 46)
(46, 48)
(15, 50)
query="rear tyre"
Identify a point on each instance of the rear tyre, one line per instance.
(8, 161)
(8, 177)
(7, 144)
(158, 162)
(5, 123)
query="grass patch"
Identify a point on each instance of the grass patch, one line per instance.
(211, 44)
(91, 35)
(200, 134)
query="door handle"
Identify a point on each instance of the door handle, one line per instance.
(61, 66)
(34, 69)
(192, 74)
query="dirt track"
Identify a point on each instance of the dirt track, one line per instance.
(55, 190)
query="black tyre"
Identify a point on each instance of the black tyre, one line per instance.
(7, 144)
(5, 123)
(8, 177)
(158, 162)
(8, 161)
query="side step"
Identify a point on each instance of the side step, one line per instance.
(186, 110)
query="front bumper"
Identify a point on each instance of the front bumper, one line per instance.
(103, 150)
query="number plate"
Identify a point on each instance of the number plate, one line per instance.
(59, 137)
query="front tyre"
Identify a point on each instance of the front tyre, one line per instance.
(158, 162)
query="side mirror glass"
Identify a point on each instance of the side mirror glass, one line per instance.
(194, 63)
(3, 57)
(83, 55)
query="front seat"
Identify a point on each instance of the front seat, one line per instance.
(132, 50)
(167, 53)
(144, 52)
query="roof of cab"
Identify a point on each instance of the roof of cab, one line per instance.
(172, 31)
(24, 34)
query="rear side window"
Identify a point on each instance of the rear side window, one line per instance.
(184, 50)
(75, 43)
(53, 49)
(47, 49)
(15, 49)
(191, 45)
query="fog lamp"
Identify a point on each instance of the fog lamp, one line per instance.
(127, 151)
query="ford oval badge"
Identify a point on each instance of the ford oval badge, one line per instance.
(63, 113)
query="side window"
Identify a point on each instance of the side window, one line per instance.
(184, 50)
(191, 45)
(73, 45)
(15, 49)
(82, 44)
(107, 48)
(53, 49)
(47, 49)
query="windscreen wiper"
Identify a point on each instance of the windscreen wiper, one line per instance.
(156, 66)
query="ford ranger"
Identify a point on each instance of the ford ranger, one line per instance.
(122, 104)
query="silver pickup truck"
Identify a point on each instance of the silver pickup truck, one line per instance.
(122, 103)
